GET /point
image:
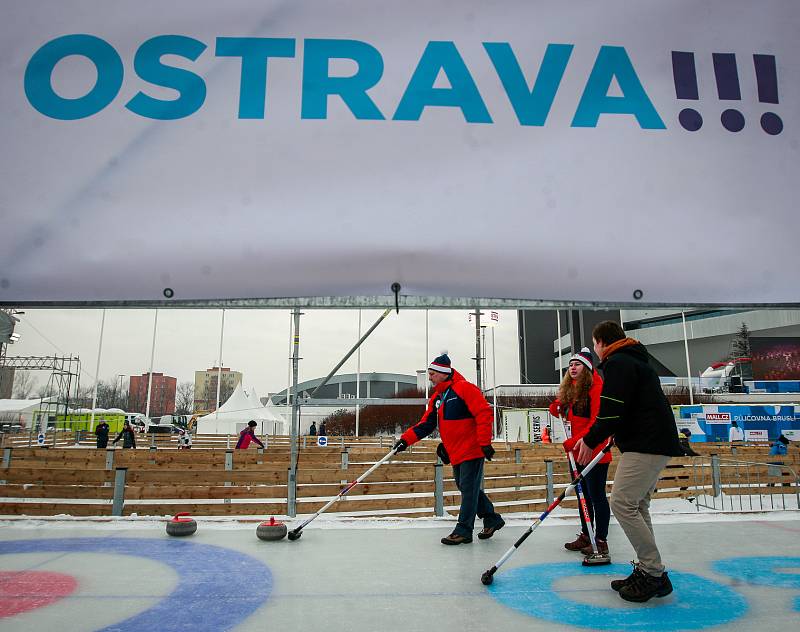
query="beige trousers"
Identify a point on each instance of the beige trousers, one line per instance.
(634, 482)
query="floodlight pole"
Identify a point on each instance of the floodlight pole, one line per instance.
(427, 357)
(150, 374)
(558, 345)
(477, 313)
(289, 378)
(97, 370)
(219, 379)
(291, 499)
(358, 374)
(688, 368)
(494, 384)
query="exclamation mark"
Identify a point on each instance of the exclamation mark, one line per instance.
(728, 89)
(685, 74)
(767, 79)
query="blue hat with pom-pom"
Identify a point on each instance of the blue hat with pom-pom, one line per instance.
(441, 364)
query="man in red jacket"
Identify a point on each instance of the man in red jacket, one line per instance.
(465, 422)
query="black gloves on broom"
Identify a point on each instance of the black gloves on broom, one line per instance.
(488, 452)
(400, 445)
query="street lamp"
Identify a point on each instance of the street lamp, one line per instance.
(494, 321)
(480, 329)
(118, 394)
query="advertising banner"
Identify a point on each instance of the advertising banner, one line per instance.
(185, 150)
(712, 422)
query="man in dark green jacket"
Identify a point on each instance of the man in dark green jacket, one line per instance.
(635, 411)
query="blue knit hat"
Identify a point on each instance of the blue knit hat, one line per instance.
(441, 364)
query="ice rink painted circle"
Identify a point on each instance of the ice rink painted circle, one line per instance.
(21, 591)
(778, 572)
(694, 605)
(217, 587)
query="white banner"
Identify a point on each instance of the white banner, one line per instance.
(592, 151)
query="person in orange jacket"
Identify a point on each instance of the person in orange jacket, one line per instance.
(579, 402)
(465, 420)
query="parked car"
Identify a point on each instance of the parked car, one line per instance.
(144, 424)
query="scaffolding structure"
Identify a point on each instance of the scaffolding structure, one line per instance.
(63, 385)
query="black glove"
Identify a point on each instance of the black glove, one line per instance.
(400, 445)
(488, 452)
(441, 452)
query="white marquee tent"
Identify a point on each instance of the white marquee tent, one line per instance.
(234, 414)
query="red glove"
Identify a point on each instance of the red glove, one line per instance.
(555, 408)
(569, 444)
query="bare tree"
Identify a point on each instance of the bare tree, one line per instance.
(109, 394)
(24, 384)
(45, 390)
(184, 400)
(225, 391)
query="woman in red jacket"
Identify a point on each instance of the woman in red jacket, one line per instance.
(579, 401)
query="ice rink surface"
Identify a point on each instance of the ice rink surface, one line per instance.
(729, 573)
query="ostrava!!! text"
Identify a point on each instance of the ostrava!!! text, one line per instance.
(531, 104)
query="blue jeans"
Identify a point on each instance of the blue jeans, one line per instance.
(468, 476)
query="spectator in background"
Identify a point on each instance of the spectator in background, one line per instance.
(247, 436)
(101, 432)
(184, 440)
(312, 431)
(322, 431)
(735, 433)
(683, 439)
(127, 435)
(779, 447)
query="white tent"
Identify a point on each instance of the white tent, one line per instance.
(270, 422)
(18, 411)
(275, 424)
(234, 414)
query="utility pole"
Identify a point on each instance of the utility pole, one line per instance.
(478, 354)
(292, 495)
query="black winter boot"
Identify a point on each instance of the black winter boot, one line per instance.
(619, 583)
(645, 586)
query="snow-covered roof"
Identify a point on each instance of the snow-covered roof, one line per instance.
(18, 405)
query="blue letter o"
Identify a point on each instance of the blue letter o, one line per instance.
(38, 75)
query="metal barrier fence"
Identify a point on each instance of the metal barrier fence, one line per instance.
(737, 485)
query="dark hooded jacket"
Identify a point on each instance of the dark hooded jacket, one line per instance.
(633, 407)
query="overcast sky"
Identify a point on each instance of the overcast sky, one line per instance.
(256, 342)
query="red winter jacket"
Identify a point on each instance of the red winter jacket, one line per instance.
(246, 436)
(464, 418)
(580, 425)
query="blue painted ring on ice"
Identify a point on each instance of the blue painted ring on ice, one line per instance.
(217, 588)
(696, 603)
(763, 571)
